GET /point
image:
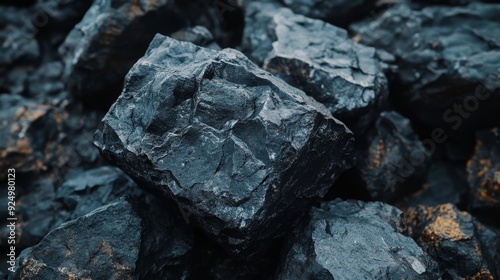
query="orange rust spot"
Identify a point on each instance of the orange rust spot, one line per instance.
(357, 38)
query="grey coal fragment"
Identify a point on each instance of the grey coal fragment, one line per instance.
(320, 59)
(236, 147)
(128, 239)
(448, 62)
(393, 161)
(354, 240)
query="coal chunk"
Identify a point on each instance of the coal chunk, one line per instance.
(483, 173)
(235, 146)
(354, 240)
(392, 161)
(112, 35)
(464, 248)
(128, 239)
(320, 59)
(444, 82)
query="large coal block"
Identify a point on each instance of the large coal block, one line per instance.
(463, 247)
(445, 82)
(318, 58)
(354, 240)
(235, 146)
(483, 171)
(392, 161)
(128, 239)
(113, 34)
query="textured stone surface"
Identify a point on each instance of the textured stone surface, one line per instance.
(233, 145)
(113, 34)
(123, 240)
(449, 61)
(483, 171)
(393, 160)
(318, 58)
(354, 240)
(463, 248)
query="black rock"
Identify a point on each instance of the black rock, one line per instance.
(354, 240)
(235, 146)
(128, 239)
(463, 248)
(449, 61)
(392, 161)
(113, 34)
(483, 171)
(338, 12)
(320, 59)
(445, 183)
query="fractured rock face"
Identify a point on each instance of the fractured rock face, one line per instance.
(354, 240)
(393, 158)
(483, 171)
(463, 248)
(320, 59)
(113, 34)
(233, 145)
(448, 59)
(128, 239)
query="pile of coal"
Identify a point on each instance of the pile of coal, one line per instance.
(237, 139)
(234, 146)
(448, 62)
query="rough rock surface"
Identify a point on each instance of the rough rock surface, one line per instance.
(449, 61)
(38, 137)
(393, 159)
(463, 248)
(354, 240)
(483, 171)
(128, 239)
(233, 145)
(113, 34)
(318, 58)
